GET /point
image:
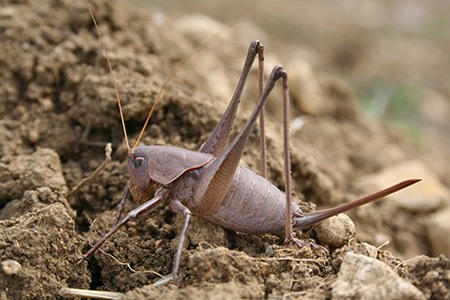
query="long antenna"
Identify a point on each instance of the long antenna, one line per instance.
(111, 71)
(172, 74)
(175, 69)
(166, 82)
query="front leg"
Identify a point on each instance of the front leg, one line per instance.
(125, 195)
(160, 196)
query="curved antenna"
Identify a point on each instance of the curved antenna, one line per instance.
(175, 69)
(113, 76)
(165, 83)
(172, 74)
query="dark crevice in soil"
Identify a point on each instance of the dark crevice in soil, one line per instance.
(96, 274)
(82, 224)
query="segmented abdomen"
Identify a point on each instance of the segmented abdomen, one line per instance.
(252, 205)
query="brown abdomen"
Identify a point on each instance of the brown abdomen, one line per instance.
(252, 205)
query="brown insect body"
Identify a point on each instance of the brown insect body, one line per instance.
(252, 204)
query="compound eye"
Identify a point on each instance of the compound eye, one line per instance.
(138, 162)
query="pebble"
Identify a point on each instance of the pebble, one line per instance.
(305, 87)
(198, 25)
(438, 226)
(362, 277)
(335, 231)
(11, 267)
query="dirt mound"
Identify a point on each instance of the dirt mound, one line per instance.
(56, 85)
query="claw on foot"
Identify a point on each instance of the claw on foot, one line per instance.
(80, 259)
(301, 244)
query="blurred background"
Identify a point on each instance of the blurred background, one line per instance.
(394, 54)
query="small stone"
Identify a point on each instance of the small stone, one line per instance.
(33, 136)
(362, 277)
(199, 26)
(438, 227)
(11, 267)
(270, 251)
(425, 196)
(305, 88)
(354, 247)
(335, 231)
